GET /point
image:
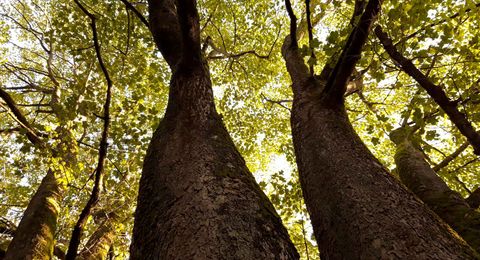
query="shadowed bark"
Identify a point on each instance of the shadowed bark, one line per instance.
(358, 210)
(474, 199)
(197, 199)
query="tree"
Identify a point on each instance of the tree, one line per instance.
(347, 190)
(196, 194)
(240, 41)
(64, 95)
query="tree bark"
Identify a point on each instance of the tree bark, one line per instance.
(474, 199)
(100, 242)
(417, 175)
(197, 199)
(34, 237)
(358, 209)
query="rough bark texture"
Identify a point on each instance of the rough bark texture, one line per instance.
(197, 199)
(100, 242)
(417, 175)
(34, 237)
(358, 210)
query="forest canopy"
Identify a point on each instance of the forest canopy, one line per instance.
(78, 77)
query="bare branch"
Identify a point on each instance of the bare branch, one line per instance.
(226, 54)
(278, 102)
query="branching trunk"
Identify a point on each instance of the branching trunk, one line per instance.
(358, 210)
(417, 175)
(34, 237)
(197, 199)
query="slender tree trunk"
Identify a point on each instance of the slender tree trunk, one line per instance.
(197, 199)
(100, 242)
(358, 209)
(417, 175)
(34, 237)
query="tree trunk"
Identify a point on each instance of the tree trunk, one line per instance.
(197, 199)
(417, 175)
(358, 210)
(100, 242)
(34, 237)
(474, 199)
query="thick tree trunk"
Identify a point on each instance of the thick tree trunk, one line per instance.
(358, 210)
(417, 175)
(34, 237)
(100, 242)
(197, 199)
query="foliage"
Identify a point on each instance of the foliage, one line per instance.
(48, 66)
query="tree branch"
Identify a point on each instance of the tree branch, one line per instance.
(226, 54)
(293, 25)
(32, 134)
(312, 59)
(296, 67)
(165, 29)
(436, 92)
(431, 25)
(338, 78)
(190, 28)
(8, 228)
(95, 194)
(447, 160)
(136, 12)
